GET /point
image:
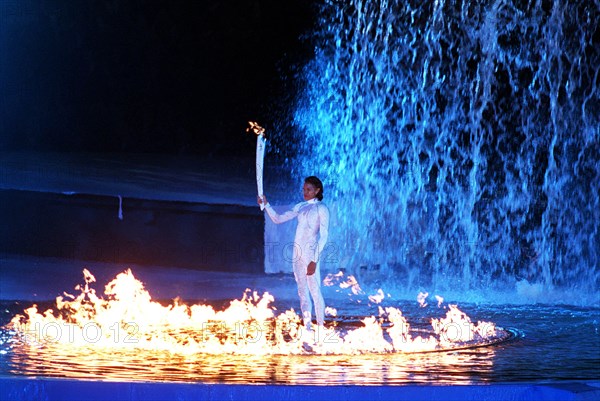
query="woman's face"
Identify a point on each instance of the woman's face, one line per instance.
(310, 191)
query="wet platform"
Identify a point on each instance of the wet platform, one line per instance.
(22, 389)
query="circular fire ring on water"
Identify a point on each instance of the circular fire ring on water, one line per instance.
(502, 336)
(127, 318)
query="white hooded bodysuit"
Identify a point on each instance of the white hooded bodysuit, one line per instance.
(311, 237)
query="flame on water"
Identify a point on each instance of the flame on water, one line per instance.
(343, 282)
(349, 282)
(421, 299)
(329, 311)
(377, 298)
(457, 327)
(126, 317)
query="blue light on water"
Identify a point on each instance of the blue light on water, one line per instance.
(459, 141)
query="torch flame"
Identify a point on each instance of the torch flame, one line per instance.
(255, 128)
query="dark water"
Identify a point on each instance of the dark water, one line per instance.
(552, 343)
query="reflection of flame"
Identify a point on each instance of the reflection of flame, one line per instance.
(128, 318)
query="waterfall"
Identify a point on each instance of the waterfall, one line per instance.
(458, 141)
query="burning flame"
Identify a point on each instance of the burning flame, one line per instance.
(421, 299)
(377, 298)
(457, 327)
(255, 128)
(333, 279)
(127, 317)
(338, 279)
(329, 311)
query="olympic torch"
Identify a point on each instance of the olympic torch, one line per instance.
(260, 156)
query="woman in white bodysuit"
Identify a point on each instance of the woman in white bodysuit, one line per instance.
(311, 237)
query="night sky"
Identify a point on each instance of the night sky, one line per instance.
(161, 76)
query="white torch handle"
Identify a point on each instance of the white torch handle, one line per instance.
(260, 161)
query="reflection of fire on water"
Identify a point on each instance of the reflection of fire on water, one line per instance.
(127, 318)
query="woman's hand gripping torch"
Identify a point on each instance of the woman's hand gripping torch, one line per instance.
(260, 157)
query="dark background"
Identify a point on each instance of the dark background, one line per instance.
(160, 76)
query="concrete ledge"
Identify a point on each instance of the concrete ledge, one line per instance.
(152, 232)
(21, 388)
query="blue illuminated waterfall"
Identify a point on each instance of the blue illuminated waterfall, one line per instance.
(458, 141)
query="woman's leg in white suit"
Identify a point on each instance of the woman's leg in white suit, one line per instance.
(303, 292)
(314, 285)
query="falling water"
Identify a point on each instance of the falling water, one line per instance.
(459, 141)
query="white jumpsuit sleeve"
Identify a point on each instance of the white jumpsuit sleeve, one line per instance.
(281, 218)
(323, 229)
